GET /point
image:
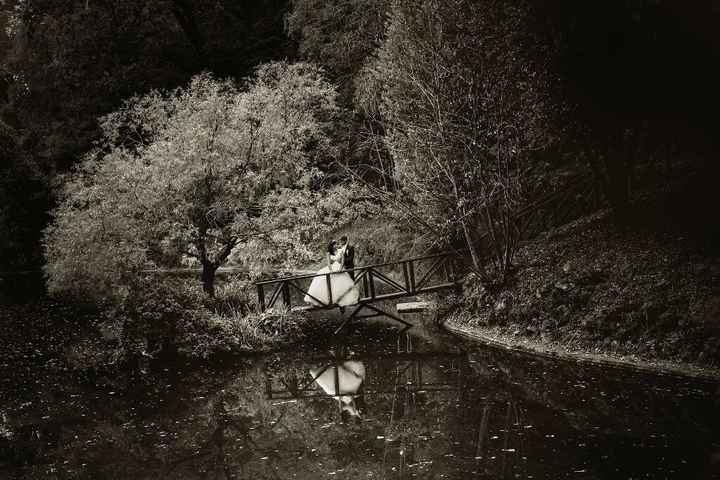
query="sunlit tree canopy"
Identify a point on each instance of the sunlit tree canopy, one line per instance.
(188, 173)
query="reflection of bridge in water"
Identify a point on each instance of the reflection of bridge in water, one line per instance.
(401, 377)
(413, 383)
(412, 373)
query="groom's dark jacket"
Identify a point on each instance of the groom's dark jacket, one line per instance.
(349, 259)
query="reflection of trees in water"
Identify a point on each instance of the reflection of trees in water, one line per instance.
(220, 423)
(408, 395)
(230, 449)
(563, 416)
(424, 392)
(483, 437)
(586, 396)
(481, 430)
(243, 436)
(509, 416)
(277, 438)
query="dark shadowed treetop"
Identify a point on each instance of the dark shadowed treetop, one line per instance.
(338, 34)
(625, 62)
(74, 61)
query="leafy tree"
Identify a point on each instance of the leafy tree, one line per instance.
(464, 102)
(304, 220)
(190, 172)
(64, 64)
(341, 35)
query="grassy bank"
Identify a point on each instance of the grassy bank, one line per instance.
(590, 289)
(169, 317)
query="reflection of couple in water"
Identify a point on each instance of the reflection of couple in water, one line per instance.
(344, 382)
(343, 291)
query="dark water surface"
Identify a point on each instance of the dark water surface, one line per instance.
(430, 405)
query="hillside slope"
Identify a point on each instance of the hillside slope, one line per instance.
(590, 287)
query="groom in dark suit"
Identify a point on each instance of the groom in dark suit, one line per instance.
(348, 255)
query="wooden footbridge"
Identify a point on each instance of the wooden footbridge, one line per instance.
(376, 283)
(412, 276)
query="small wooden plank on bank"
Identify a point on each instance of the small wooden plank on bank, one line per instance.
(412, 307)
(301, 308)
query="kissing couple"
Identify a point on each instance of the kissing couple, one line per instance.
(343, 291)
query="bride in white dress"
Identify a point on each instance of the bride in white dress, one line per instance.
(343, 381)
(343, 288)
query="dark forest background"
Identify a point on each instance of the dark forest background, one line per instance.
(637, 79)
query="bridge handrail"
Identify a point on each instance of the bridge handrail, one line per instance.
(356, 269)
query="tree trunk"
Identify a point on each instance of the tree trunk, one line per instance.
(208, 279)
(470, 241)
(495, 242)
(619, 174)
(610, 175)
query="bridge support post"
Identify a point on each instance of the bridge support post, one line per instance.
(261, 297)
(377, 313)
(411, 272)
(406, 277)
(328, 283)
(286, 295)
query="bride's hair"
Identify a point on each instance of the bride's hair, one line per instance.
(331, 247)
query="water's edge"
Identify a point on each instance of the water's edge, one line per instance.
(705, 374)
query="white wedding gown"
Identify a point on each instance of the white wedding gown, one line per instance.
(350, 376)
(344, 290)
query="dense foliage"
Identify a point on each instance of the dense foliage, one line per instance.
(72, 62)
(636, 76)
(440, 119)
(633, 73)
(465, 101)
(194, 172)
(338, 34)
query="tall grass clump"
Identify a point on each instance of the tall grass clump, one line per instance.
(235, 331)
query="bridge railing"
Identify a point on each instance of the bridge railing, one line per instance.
(381, 281)
(385, 374)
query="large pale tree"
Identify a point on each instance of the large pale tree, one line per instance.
(190, 173)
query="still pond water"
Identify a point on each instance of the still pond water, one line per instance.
(372, 403)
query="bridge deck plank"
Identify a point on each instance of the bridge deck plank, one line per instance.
(412, 307)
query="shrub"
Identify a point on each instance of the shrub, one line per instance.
(238, 332)
(153, 311)
(237, 296)
(172, 315)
